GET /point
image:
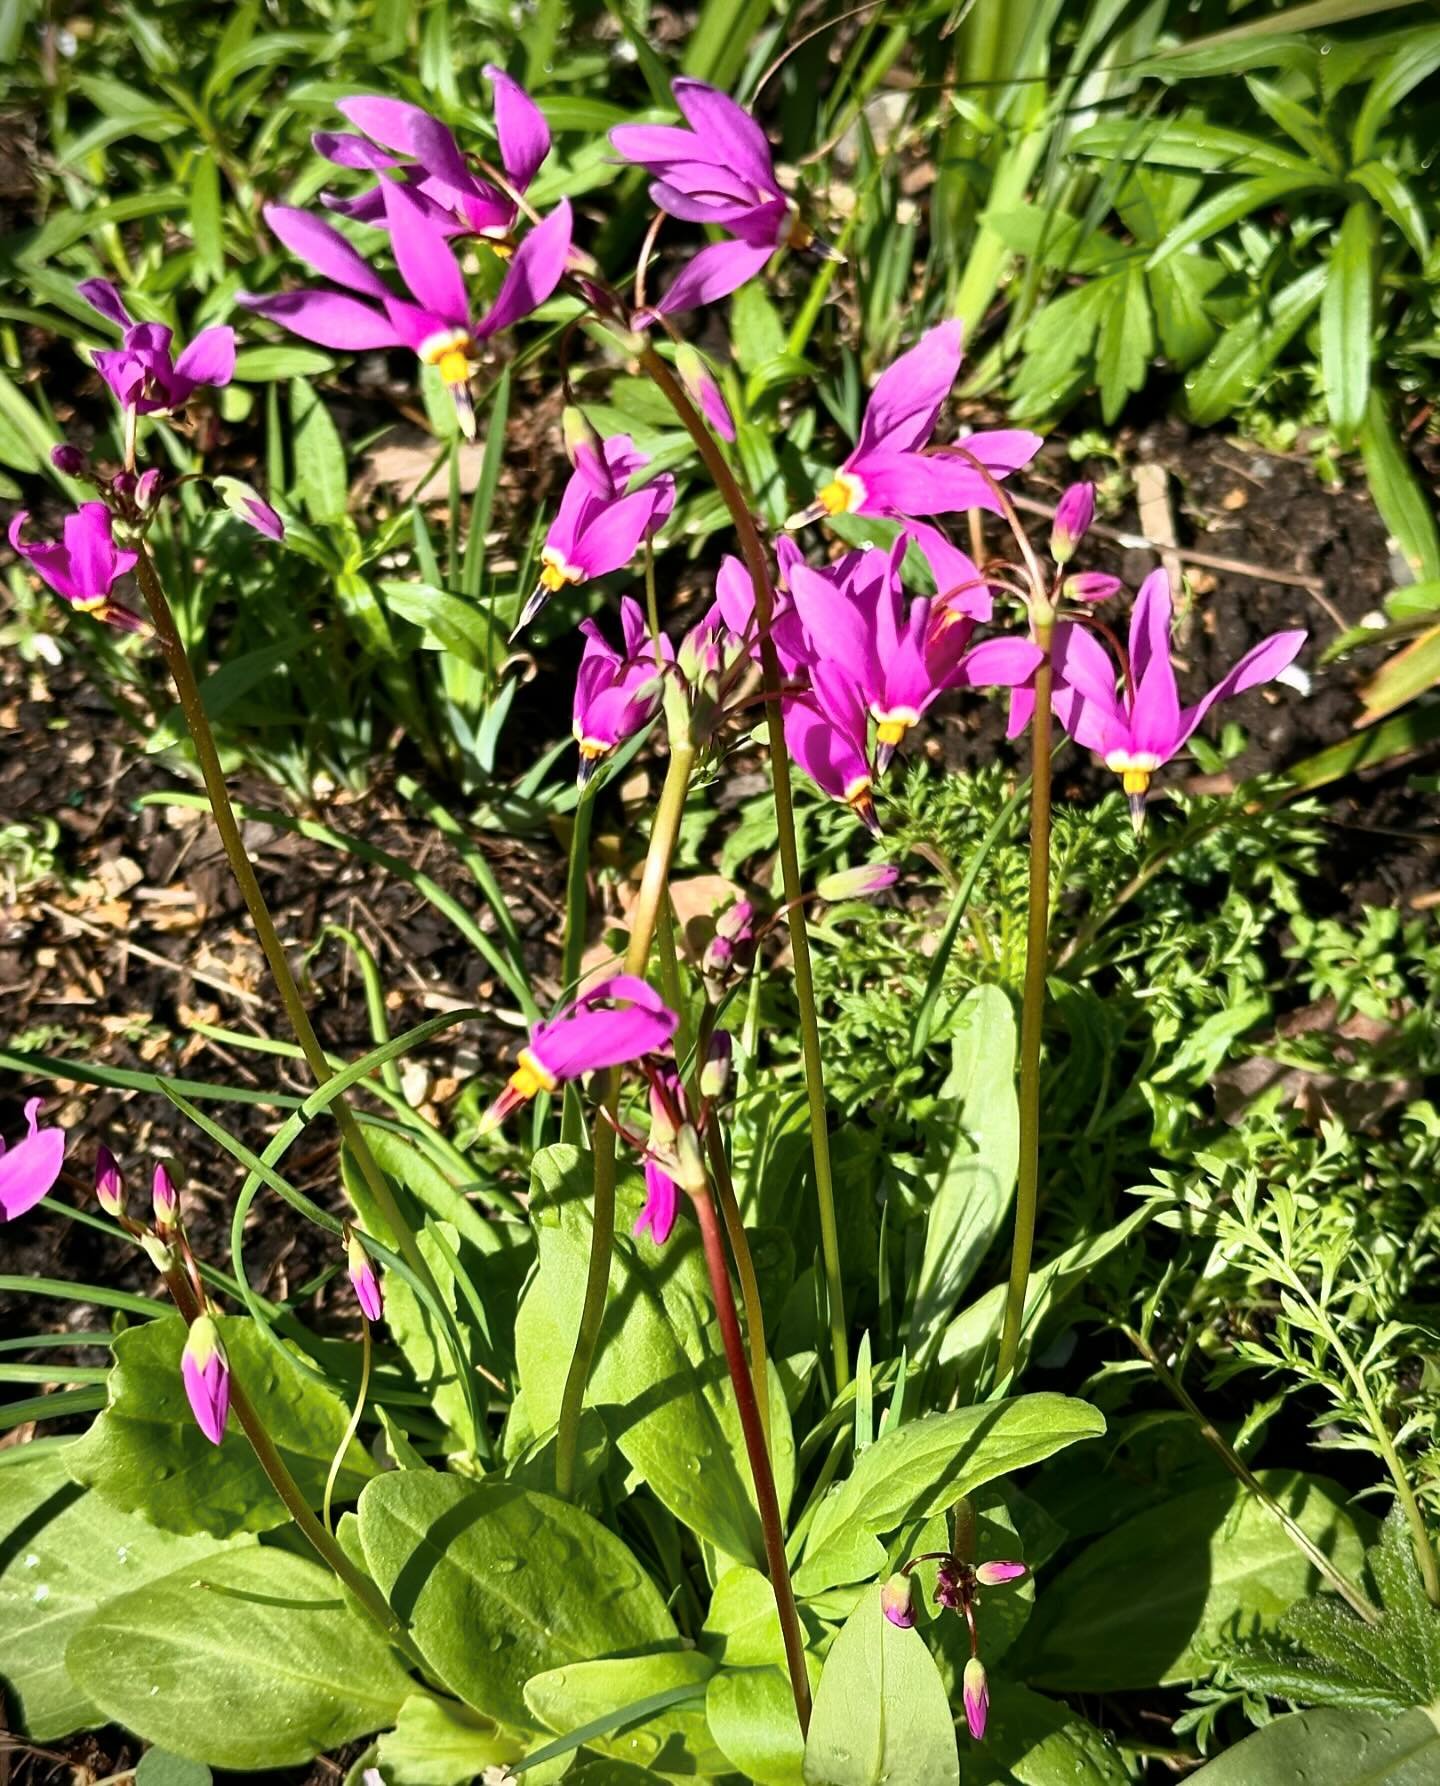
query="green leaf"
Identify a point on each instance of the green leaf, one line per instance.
(1152, 1600)
(451, 623)
(975, 1182)
(880, 1713)
(1034, 1741)
(207, 224)
(144, 1454)
(1397, 75)
(250, 1660)
(263, 365)
(657, 1380)
(1177, 292)
(1397, 201)
(1340, 1748)
(1127, 339)
(1345, 322)
(925, 1466)
(222, 688)
(1187, 141)
(1404, 676)
(320, 483)
(63, 1553)
(1295, 121)
(499, 1583)
(439, 1742)
(161, 1767)
(1234, 202)
(1404, 507)
(756, 331)
(675, 1741)
(1249, 348)
(751, 1714)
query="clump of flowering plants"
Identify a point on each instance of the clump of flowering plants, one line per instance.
(462, 1568)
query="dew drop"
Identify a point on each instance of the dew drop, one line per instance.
(32, 1561)
(41, 1593)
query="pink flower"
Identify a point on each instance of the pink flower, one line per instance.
(599, 527)
(617, 1021)
(86, 567)
(140, 372)
(832, 752)
(735, 601)
(1073, 516)
(975, 1694)
(243, 500)
(434, 320)
(109, 1186)
(615, 692)
(205, 1371)
(715, 169)
(657, 1218)
(363, 1277)
(704, 391)
(29, 1169)
(1140, 725)
(460, 201)
(889, 474)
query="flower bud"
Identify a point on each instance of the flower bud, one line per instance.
(165, 1199)
(69, 460)
(997, 1574)
(897, 1603)
(1073, 516)
(857, 883)
(206, 1374)
(715, 1074)
(690, 1173)
(109, 1187)
(246, 502)
(1091, 586)
(701, 383)
(364, 1278)
(123, 483)
(584, 448)
(147, 490)
(662, 1123)
(975, 1692)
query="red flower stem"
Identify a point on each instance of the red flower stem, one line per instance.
(764, 1480)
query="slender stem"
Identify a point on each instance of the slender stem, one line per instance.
(653, 885)
(750, 1425)
(371, 1600)
(1238, 1467)
(1032, 1013)
(571, 1120)
(203, 739)
(754, 554)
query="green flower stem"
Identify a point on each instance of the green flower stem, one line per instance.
(371, 1601)
(750, 1424)
(571, 1121)
(754, 554)
(1032, 1012)
(654, 884)
(188, 691)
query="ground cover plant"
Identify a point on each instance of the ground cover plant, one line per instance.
(923, 1270)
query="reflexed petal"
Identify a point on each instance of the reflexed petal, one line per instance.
(327, 317)
(906, 402)
(611, 540)
(536, 268)
(28, 1170)
(91, 549)
(958, 583)
(350, 151)
(998, 663)
(727, 128)
(1150, 624)
(101, 295)
(424, 257)
(658, 1216)
(520, 125)
(321, 246)
(714, 273)
(1263, 663)
(388, 121)
(209, 359)
(617, 1021)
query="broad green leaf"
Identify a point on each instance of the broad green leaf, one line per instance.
(63, 1553)
(499, 1583)
(881, 1714)
(1235, 202)
(451, 623)
(144, 1454)
(162, 1767)
(1249, 348)
(207, 224)
(756, 330)
(1296, 122)
(1034, 1741)
(1178, 290)
(675, 1741)
(751, 1715)
(439, 1742)
(249, 1660)
(263, 365)
(1152, 1600)
(1404, 506)
(1397, 201)
(742, 1625)
(1126, 341)
(975, 1177)
(1345, 321)
(924, 1466)
(658, 1380)
(1187, 141)
(320, 482)
(1338, 1748)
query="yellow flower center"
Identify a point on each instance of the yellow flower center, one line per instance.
(530, 1077)
(555, 573)
(1135, 781)
(843, 493)
(891, 731)
(800, 234)
(592, 749)
(450, 354)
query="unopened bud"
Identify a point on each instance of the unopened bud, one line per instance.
(584, 448)
(148, 490)
(975, 1692)
(206, 1374)
(1073, 516)
(247, 503)
(164, 1198)
(1092, 586)
(737, 922)
(703, 387)
(123, 483)
(690, 1173)
(997, 1574)
(159, 1252)
(897, 1603)
(69, 460)
(364, 1278)
(857, 883)
(715, 1074)
(109, 1186)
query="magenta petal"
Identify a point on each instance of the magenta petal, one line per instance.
(326, 317)
(727, 130)
(29, 1169)
(594, 1033)
(658, 1216)
(906, 402)
(208, 1390)
(388, 121)
(958, 583)
(424, 257)
(321, 246)
(209, 359)
(612, 539)
(1263, 663)
(101, 295)
(536, 268)
(91, 549)
(351, 151)
(998, 663)
(520, 125)
(714, 273)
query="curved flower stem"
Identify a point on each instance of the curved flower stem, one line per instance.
(750, 1425)
(1032, 1012)
(754, 555)
(187, 690)
(653, 887)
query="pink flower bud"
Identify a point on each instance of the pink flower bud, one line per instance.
(700, 382)
(584, 448)
(247, 503)
(1091, 586)
(206, 1373)
(975, 1692)
(857, 883)
(364, 1278)
(109, 1187)
(69, 460)
(996, 1574)
(164, 1198)
(1073, 516)
(715, 1074)
(148, 489)
(690, 1171)
(897, 1603)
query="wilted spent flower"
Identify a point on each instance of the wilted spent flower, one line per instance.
(363, 1277)
(897, 1602)
(206, 1373)
(109, 1186)
(1073, 516)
